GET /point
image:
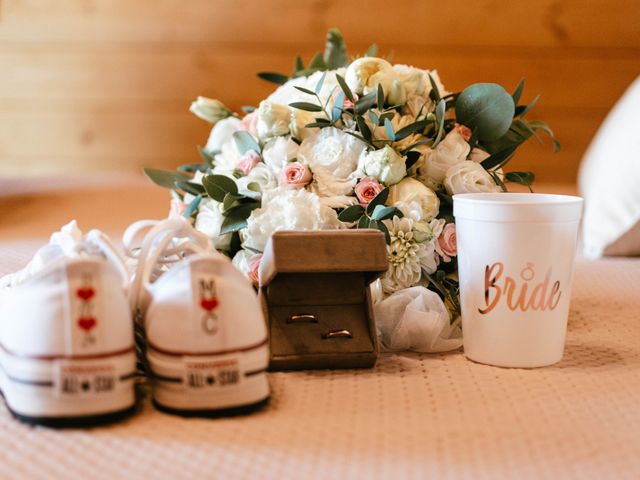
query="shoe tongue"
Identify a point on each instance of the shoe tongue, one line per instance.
(61, 244)
(67, 238)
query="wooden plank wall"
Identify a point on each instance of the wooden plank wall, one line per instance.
(91, 85)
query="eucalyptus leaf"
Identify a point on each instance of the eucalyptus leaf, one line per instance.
(305, 90)
(165, 178)
(380, 97)
(245, 142)
(499, 182)
(345, 88)
(320, 83)
(193, 206)
(207, 157)
(365, 102)
(373, 118)
(193, 167)
(522, 178)
(237, 218)
(189, 187)
(379, 199)
(335, 51)
(487, 107)
(383, 228)
(299, 65)
(317, 63)
(248, 108)
(364, 128)
(336, 112)
(412, 157)
(389, 129)
(363, 222)
(383, 213)
(274, 77)
(306, 106)
(540, 125)
(435, 92)
(231, 201)
(440, 111)
(351, 214)
(521, 111)
(372, 51)
(499, 158)
(518, 92)
(217, 186)
(411, 129)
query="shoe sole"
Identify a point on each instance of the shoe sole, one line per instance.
(67, 392)
(211, 384)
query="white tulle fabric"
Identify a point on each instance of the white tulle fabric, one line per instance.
(416, 319)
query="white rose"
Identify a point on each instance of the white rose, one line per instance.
(364, 75)
(227, 159)
(273, 120)
(300, 118)
(469, 177)
(333, 192)
(261, 175)
(333, 151)
(287, 93)
(209, 221)
(478, 155)
(279, 151)
(241, 261)
(385, 164)
(450, 151)
(410, 190)
(209, 109)
(221, 133)
(290, 209)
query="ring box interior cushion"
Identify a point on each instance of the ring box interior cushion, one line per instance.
(314, 289)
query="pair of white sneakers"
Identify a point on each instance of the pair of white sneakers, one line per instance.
(68, 351)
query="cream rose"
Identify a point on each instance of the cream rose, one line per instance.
(411, 190)
(385, 165)
(364, 74)
(300, 118)
(450, 151)
(273, 120)
(469, 177)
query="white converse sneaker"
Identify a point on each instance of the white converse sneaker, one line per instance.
(205, 336)
(67, 355)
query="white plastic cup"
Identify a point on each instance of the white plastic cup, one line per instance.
(515, 263)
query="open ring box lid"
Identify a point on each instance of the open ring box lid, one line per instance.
(315, 295)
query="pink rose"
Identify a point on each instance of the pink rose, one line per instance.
(367, 189)
(248, 161)
(446, 245)
(254, 266)
(295, 175)
(249, 123)
(465, 132)
(177, 209)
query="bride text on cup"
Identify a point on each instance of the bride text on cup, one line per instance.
(519, 293)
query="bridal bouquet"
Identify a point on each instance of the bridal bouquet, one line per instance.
(357, 143)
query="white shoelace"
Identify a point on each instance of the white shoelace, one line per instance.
(69, 242)
(157, 245)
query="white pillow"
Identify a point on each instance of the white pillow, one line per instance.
(609, 181)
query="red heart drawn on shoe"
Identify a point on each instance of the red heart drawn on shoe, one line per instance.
(209, 303)
(86, 323)
(85, 293)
